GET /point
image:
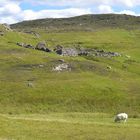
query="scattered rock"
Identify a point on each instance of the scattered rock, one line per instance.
(62, 67)
(61, 60)
(20, 44)
(109, 67)
(41, 66)
(25, 45)
(72, 51)
(29, 46)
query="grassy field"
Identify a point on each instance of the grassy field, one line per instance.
(69, 126)
(76, 104)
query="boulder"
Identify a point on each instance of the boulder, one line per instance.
(42, 46)
(58, 49)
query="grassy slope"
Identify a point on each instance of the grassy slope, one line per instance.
(89, 88)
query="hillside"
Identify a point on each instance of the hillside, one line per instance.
(85, 22)
(93, 84)
(72, 87)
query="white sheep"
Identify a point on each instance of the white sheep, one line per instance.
(121, 117)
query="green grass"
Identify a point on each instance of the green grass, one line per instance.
(89, 87)
(69, 126)
(76, 104)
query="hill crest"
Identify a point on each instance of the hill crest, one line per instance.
(85, 22)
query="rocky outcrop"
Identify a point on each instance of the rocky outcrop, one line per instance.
(40, 46)
(73, 51)
(84, 52)
(102, 53)
(97, 52)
